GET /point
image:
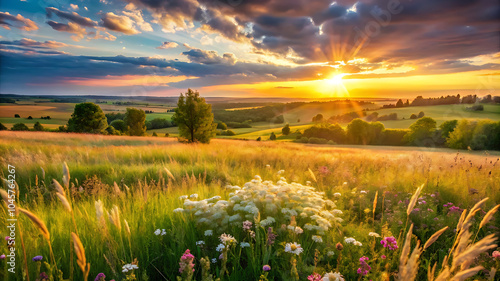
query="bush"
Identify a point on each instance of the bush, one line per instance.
(413, 116)
(236, 125)
(392, 116)
(38, 126)
(119, 125)
(62, 129)
(421, 114)
(326, 131)
(330, 142)
(447, 127)
(318, 118)
(286, 130)
(422, 132)
(315, 140)
(221, 126)
(19, 127)
(155, 134)
(477, 107)
(303, 140)
(167, 135)
(279, 119)
(159, 123)
(17, 116)
(30, 118)
(227, 133)
(272, 137)
(2, 127)
(259, 139)
(112, 131)
(394, 137)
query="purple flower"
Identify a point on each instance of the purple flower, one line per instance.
(364, 267)
(7, 238)
(270, 236)
(100, 277)
(389, 242)
(43, 276)
(37, 258)
(266, 267)
(2, 257)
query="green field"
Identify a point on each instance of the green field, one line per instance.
(61, 112)
(323, 196)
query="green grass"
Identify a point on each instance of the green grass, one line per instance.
(139, 163)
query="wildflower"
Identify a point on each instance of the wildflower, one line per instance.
(367, 211)
(247, 225)
(281, 172)
(363, 192)
(293, 248)
(298, 230)
(268, 166)
(227, 239)
(496, 254)
(193, 196)
(383, 257)
(2, 257)
(421, 202)
(209, 232)
(183, 197)
(330, 253)
(337, 194)
(157, 232)
(270, 236)
(389, 242)
(364, 267)
(252, 233)
(244, 244)
(266, 268)
(324, 170)
(100, 277)
(317, 239)
(186, 265)
(214, 260)
(333, 277)
(200, 243)
(7, 238)
(430, 210)
(415, 210)
(345, 183)
(373, 234)
(43, 277)
(314, 277)
(37, 258)
(357, 243)
(129, 267)
(339, 246)
(349, 240)
(220, 248)
(178, 210)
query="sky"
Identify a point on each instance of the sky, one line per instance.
(250, 48)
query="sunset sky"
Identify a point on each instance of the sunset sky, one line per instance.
(250, 48)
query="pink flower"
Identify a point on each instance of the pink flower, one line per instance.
(314, 277)
(364, 267)
(389, 242)
(266, 268)
(247, 225)
(496, 254)
(383, 257)
(186, 263)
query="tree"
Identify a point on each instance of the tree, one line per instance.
(155, 134)
(421, 114)
(221, 126)
(194, 118)
(357, 131)
(135, 119)
(19, 127)
(279, 119)
(461, 137)
(112, 131)
(2, 127)
(38, 126)
(259, 139)
(30, 118)
(119, 125)
(167, 135)
(399, 103)
(413, 116)
(87, 118)
(421, 132)
(17, 116)
(272, 137)
(286, 130)
(447, 127)
(318, 118)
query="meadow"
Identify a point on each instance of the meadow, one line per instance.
(248, 210)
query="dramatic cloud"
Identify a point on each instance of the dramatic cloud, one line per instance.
(36, 44)
(167, 45)
(135, 14)
(71, 16)
(209, 57)
(70, 27)
(121, 24)
(7, 20)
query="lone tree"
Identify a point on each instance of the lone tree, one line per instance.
(87, 118)
(272, 137)
(38, 126)
(194, 118)
(286, 130)
(135, 119)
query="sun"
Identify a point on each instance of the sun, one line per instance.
(334, 86)
(336, 79)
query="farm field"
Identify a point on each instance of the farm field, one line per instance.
(143, 219)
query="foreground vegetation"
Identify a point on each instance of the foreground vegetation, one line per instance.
(166, 200)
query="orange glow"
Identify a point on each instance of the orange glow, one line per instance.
(127, 80)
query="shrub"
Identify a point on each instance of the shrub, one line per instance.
(259, 139)
(155, 134)
(326, 131)
(2, 127)
(19, 127)
(30, 118)
(392, 116)
(477, 107)
(272, 137)
(236, 125)
(447, 127)
(318, 118)
(330, 142)
(112, 131)
(422, 132)
(413, 116)
(167, 135)
(221, 126)
(286, 130)
(315, 140)
(38, 126)
(279, 119)
(17, 116)
(394, 137)
(119, 125)
(421, 114)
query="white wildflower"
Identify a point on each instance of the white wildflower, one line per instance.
(357, 243)
(199, 243)
(293, 248)
(333, 277)
(244, 244)
(337, 194)
(373, 234)
(157, 232)
(178, 210)
(195, 195)
(209, 232)
(330, 253)
(183, 197)
(317, 239)
(349, 240)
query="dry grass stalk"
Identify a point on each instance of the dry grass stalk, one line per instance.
(80, 255)
(414, 199)
(66, 176)
(431, 272)
(65, 202)
(58, 187)
(127, 228)
(487, 218)
(116, 189)
(375, 203)
(312, 175)
(434, 237)
(114, 217)
(37, 222)
(170, 175)
(462, 275)
(408, 266)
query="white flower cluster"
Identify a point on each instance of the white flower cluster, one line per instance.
(271, 202)
(350, 240)
(160, 232)
(128, 267)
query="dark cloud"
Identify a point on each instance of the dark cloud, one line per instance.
(69, 27)
(71, 16)
(209, 57)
